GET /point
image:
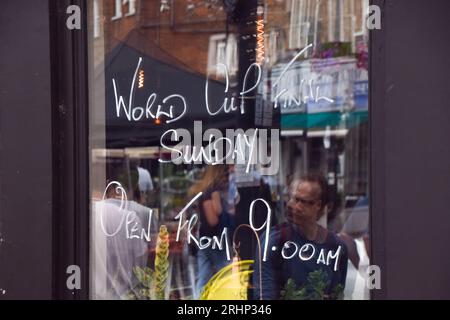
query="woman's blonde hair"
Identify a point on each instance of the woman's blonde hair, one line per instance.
(212, 176)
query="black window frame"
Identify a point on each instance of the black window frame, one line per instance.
(65, 104)
(71, 124)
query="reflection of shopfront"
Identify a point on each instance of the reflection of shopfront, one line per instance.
(322, 116)
(317, 98)
(324, 125)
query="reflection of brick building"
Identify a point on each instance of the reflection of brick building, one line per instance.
(188, 30)
(176, 33)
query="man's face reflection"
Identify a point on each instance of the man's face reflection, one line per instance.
(304, 203)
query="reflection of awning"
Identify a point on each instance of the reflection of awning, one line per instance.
(162, 80)
(322, 120)
(162, 76)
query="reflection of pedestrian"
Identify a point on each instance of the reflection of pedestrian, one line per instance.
(115, 254)
(213, 218)
(319, 265)
(145, 184)
(233, 196)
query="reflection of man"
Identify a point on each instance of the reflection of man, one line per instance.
(145, 184)
(308, 257)
(114, 253)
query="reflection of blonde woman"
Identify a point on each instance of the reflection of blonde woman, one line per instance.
(213, 218)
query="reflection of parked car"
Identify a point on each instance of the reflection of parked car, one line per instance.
(357, 223)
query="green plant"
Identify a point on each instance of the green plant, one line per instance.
(152, 283)
(314, 288)
(161, 262)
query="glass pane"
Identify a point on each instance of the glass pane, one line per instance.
(229, 149)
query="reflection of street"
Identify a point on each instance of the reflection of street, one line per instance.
(251, 68)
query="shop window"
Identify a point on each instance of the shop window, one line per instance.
(286, 82)
(223, 50)
(118, 8)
